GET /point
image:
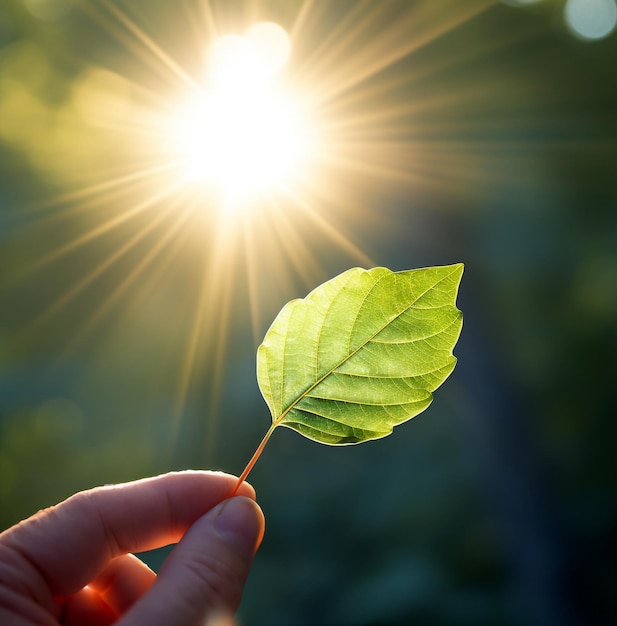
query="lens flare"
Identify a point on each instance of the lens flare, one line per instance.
(242, 134)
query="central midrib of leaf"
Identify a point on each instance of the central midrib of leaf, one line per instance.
(351, 354)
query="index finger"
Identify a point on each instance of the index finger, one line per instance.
(70, 543)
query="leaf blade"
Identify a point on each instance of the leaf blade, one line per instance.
(362, 353)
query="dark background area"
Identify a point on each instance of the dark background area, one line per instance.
(490, 139)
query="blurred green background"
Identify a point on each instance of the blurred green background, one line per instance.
(458, 130)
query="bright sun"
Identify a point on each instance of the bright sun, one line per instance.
(242, 135)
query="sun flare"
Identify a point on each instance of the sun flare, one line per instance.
(242, 134)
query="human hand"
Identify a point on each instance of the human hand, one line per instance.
(71, 564)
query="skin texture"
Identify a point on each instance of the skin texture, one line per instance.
(73, 564)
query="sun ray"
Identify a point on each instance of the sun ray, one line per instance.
(221, 320)
(394, 43)
(201, 19)
(212, 289)
(296, 250)
(251, 264)
(71, 293)
(297, 28)
(331, 46)
(103, 228)
(138, 270)
(336, 236)
(93, 191)
(210, 21)
(279, 233)
(158, 58)
(366, 100)
(188, 361)
(270, 280)
(151, 283)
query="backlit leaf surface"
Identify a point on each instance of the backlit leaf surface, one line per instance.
(361, 353)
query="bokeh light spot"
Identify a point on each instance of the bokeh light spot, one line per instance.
(591, 19)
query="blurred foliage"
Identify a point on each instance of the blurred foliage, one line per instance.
(495, 144)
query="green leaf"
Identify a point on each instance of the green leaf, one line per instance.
(362, 353)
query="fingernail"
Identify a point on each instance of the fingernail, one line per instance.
(239, 522)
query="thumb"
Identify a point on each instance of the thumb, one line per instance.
(205, 574)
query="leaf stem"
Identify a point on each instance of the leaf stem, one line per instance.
(253, 460)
